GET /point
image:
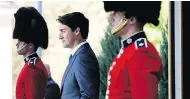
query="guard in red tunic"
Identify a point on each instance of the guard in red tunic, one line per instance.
(135, 72)
(31, 32)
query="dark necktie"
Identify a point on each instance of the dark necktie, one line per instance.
(70, 57)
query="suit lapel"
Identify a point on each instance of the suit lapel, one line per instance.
(85, 46)
(71, 63)
(67, 69)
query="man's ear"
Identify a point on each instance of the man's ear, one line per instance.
(132, 20)
(77, 31)
(31, 45)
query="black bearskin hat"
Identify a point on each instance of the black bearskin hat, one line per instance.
(144, 11)
(30, 27)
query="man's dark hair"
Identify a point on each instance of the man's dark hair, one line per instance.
(74, 20)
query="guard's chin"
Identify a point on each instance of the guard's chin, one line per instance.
(19, 53)
(117, 28)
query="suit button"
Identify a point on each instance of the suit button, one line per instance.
(107, 92)
(121, 51)
(113, 63)
(111, 68)
(109, 77)
(119, 55)
(109, 83)
(106, 97)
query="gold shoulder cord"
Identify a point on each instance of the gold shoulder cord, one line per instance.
(121, 24)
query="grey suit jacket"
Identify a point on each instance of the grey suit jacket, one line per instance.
(81, 78)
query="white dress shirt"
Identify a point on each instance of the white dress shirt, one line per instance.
(77, 47)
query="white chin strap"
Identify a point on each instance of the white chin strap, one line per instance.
(22, 47)
(121, 24)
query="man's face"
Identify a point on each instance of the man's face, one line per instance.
(67, 36)
(22, 47)
(115, 18)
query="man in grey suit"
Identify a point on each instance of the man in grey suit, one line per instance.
(81, 78)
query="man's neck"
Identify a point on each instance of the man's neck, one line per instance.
(130, 34)
(77, 43)
(130, 31)
(74, 50)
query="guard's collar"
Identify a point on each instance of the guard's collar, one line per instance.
(30, 56)
(133, 38)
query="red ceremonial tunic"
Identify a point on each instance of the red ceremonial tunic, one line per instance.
(135, 72)
(32, 80)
